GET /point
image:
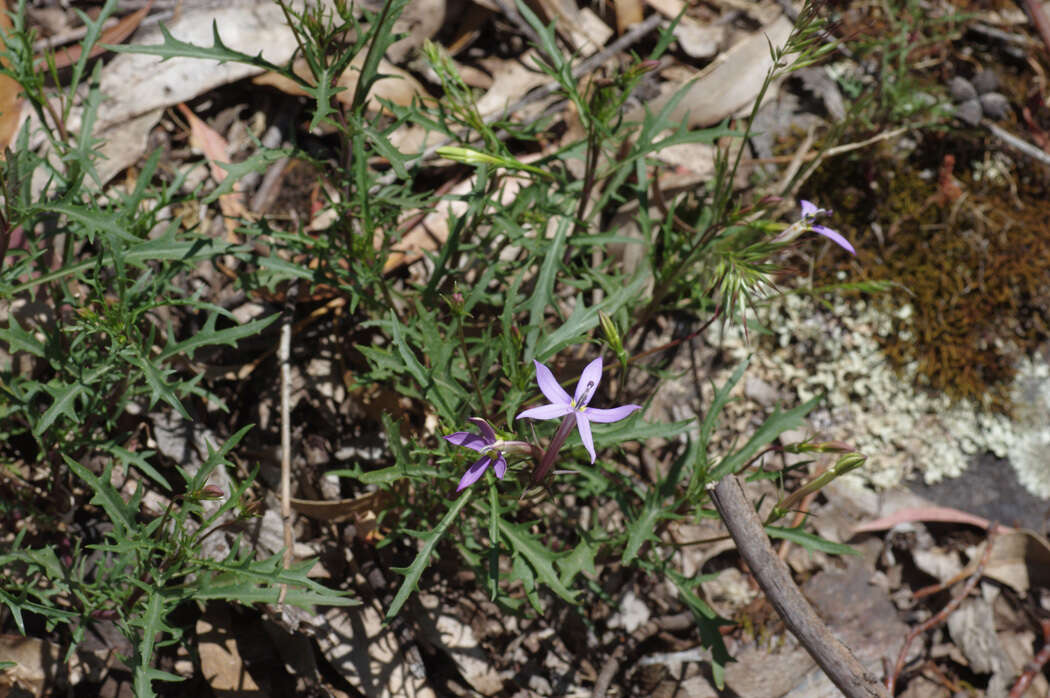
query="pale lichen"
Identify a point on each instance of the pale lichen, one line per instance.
(833, 347)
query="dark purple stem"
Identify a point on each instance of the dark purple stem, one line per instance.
(552, 449)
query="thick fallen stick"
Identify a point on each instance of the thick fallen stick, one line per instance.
(775, 580)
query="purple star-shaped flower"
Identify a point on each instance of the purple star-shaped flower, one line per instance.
(810, 212)
(486, 444)
(562, 405)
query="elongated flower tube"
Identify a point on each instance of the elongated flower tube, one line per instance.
(574, 411)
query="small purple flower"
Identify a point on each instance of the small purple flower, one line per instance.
(809, 213)
(562, 405)
(486, 444)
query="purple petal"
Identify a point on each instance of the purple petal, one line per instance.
(500, 466)
(835, 238)
(612, 415)
(473, 473)
(588, 384)
(487, 432)
(471, 441)
(549, 385)
(809, 210)
(585, 434)
(546, 412)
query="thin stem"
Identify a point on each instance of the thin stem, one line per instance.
(471, 370)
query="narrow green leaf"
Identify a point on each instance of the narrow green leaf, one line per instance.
(584, 319)
(810, 541)
(543, 292)
(707, 621)
(775, 424)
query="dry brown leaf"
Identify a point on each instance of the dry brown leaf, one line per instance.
(1020, 559)
(628, 12)
(469, 27)
(216, 149)
(695, 39)
(419, 21)
(35, 660)
(730, 84)
(577, 25)
(114, 35)
(10, 95)
(340, 509)
(221, 662)
(928, 514)
(400, 88)
(510, 80)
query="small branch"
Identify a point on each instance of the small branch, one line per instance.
(1013, 141)
(284, 351)
(1035, 666)
(941, 617)
(775, 580)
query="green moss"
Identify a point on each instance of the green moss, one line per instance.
(974, 261)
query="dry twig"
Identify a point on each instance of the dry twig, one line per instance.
(284, 351)
(941, 617)
(775, 580)
(1035, 666)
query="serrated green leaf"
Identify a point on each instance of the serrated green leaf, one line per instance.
(543, 291)
(209, 336)
(424, 378)
(430, 540)
(65, 398)
(153, 624)
(581, 559)
(386, 476)
(157, 380)
(118, 511)
(19, 340)
(218, 51)
(634, 429)
(93, 220)
(235, 171)
(138, 460)
(538, 555)
(718, 403)
(659, 504)
(521, 571)
(260, 581)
